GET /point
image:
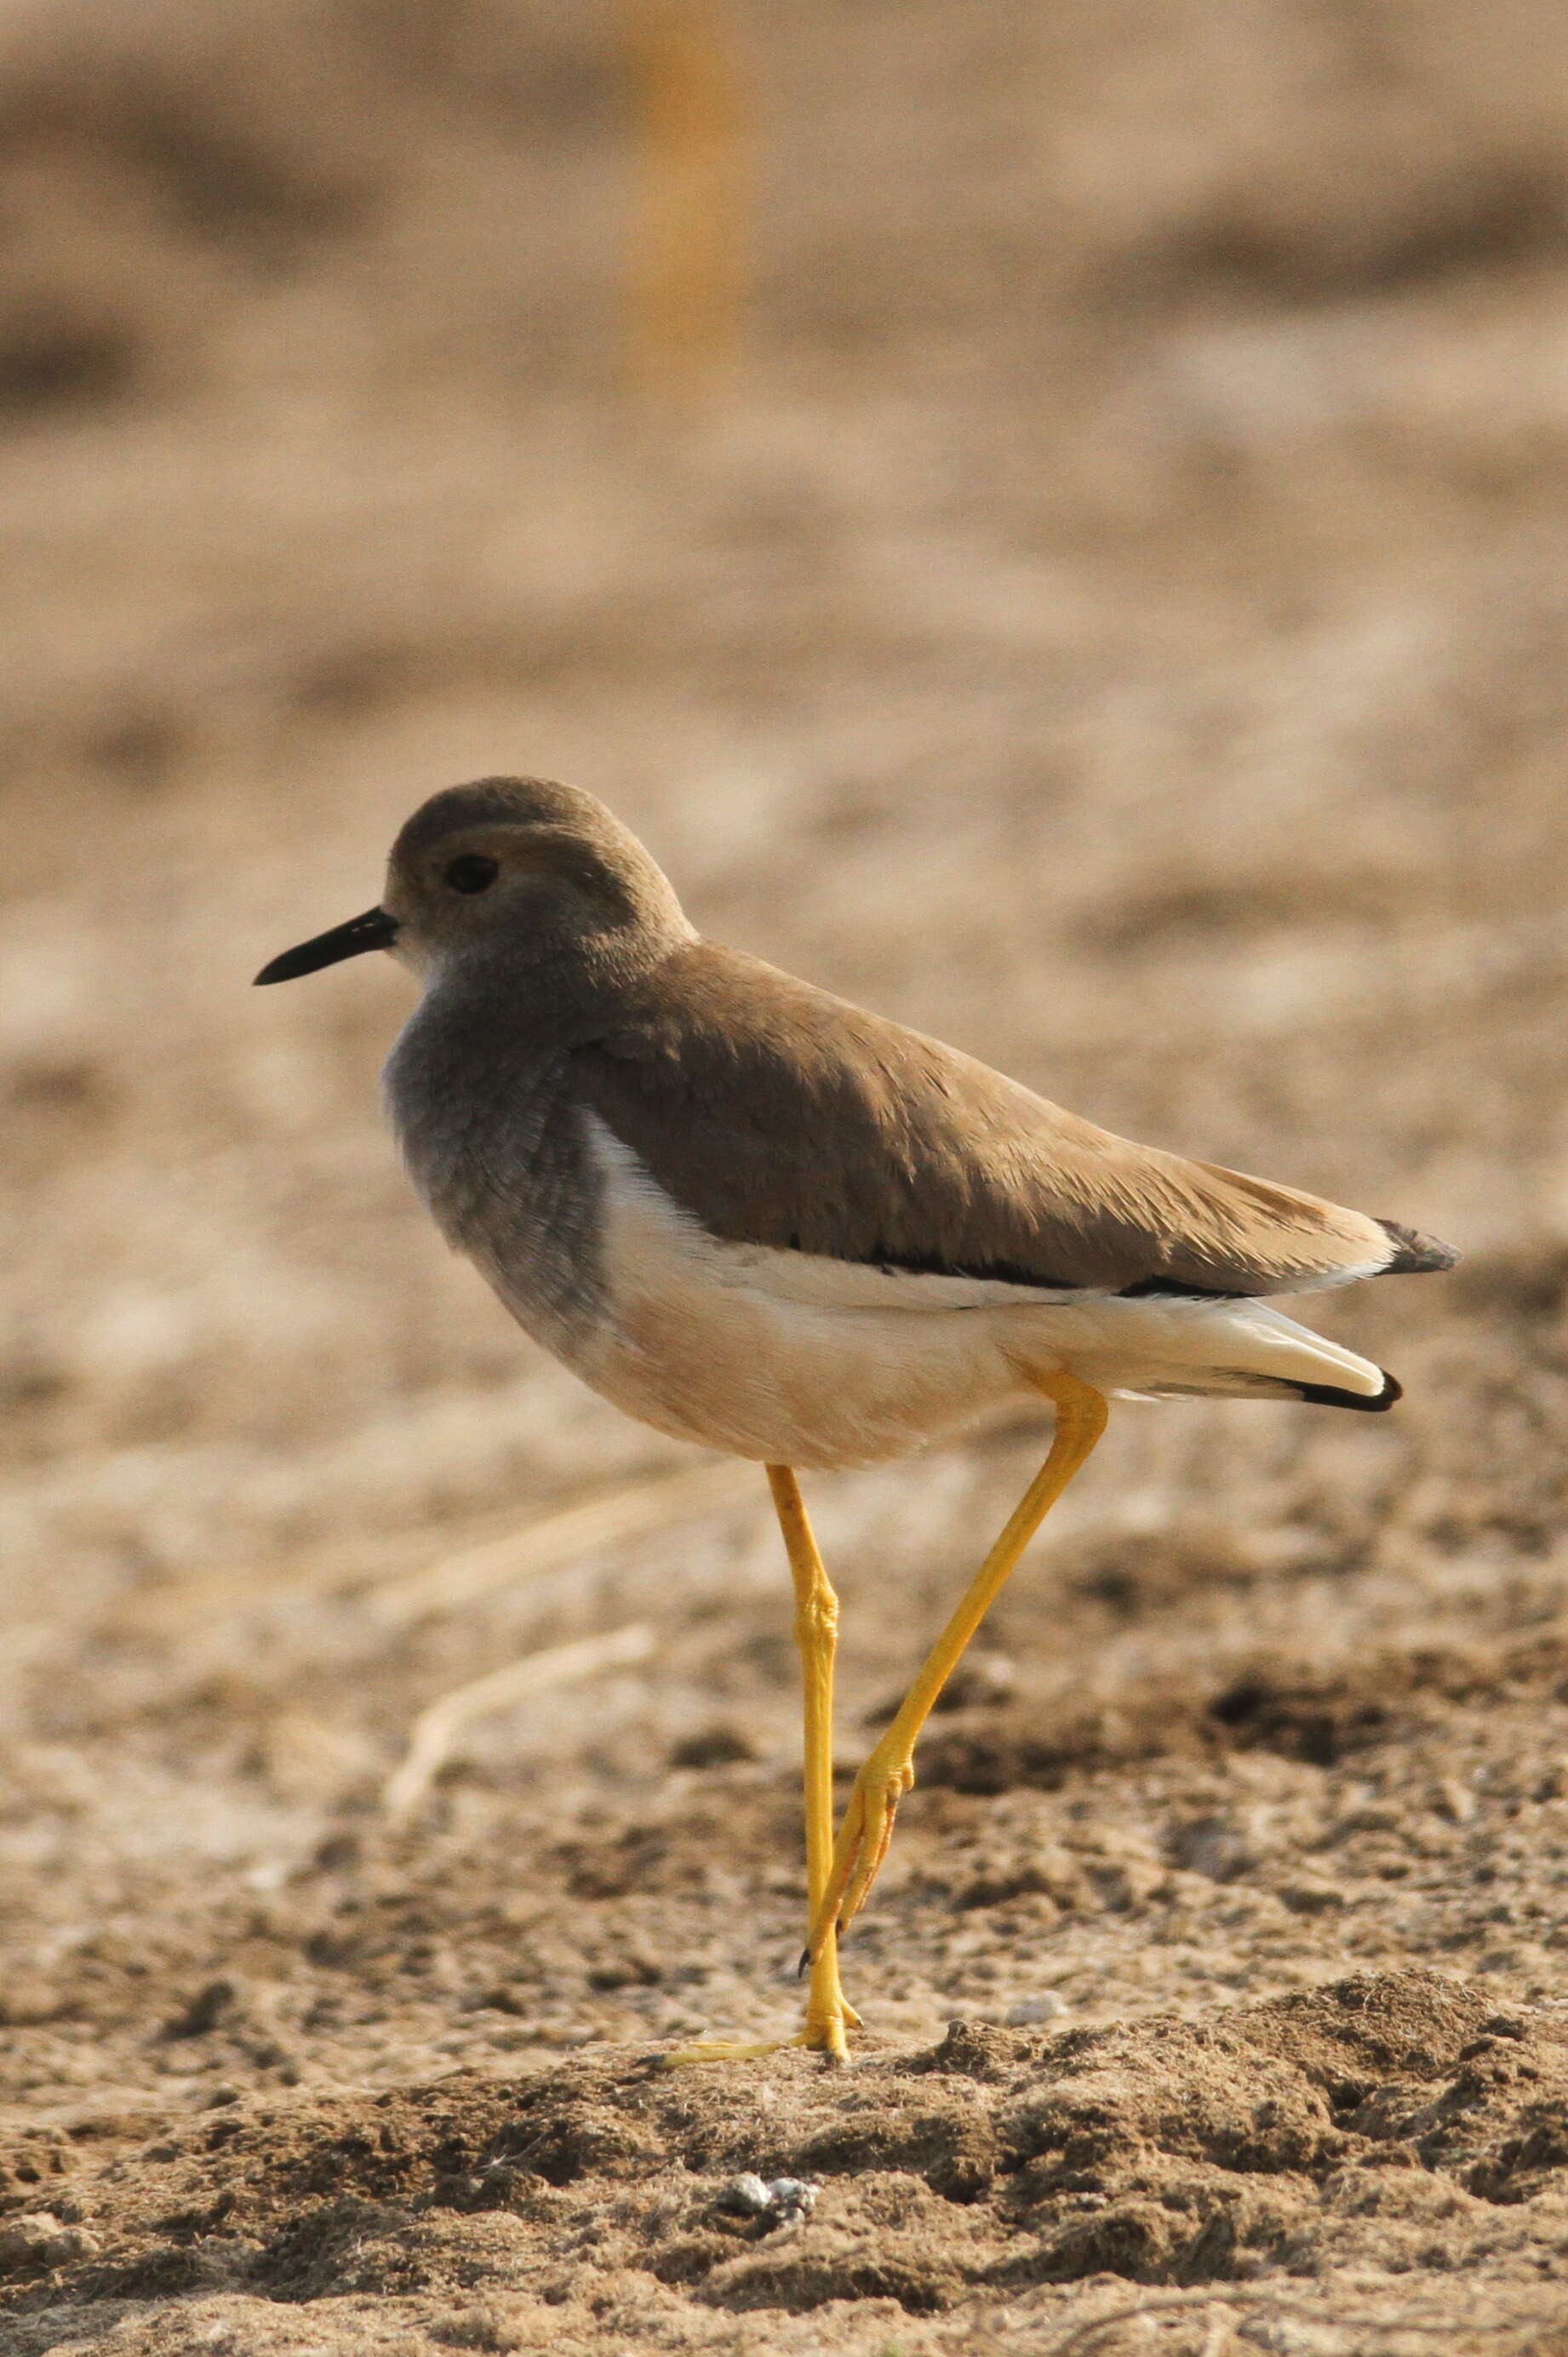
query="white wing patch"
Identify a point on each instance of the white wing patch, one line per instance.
(639, 1203)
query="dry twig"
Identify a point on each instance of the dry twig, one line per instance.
(437, 1728)
(576, 1531)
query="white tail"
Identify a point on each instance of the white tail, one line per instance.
(1174, 1347)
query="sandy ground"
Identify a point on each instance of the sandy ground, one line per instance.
(1112, 614)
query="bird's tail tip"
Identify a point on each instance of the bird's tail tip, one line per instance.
(1369, 1402)
(1413, 1253)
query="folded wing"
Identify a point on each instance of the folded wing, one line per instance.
(777, 1115)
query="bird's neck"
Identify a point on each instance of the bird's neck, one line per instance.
(540, 999)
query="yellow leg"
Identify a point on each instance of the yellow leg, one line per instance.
(867, 1828)
(816, 1633)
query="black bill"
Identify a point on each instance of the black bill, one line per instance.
(374, 930)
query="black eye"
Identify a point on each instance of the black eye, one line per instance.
(472, 872)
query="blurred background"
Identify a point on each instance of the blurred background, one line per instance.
(1049, 521)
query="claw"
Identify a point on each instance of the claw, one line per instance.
(859, 1853)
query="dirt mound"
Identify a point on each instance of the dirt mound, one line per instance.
(1390, 2118)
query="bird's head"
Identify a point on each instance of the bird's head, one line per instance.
(514, 868)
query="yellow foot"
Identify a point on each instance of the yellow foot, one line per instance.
(826, 2038)
(864, 1840)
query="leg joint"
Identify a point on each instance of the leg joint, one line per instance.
(817, 1616)
(1082, 1411)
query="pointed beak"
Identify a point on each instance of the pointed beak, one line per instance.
(374, 930)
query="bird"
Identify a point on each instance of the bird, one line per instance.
(763, 1218)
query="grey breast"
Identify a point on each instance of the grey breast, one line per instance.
(498, 1153)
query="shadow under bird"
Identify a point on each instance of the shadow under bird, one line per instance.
(762, 1219)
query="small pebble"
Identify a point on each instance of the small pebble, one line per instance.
(746, 2195)
(780, 2201)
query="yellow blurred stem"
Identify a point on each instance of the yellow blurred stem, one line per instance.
(687, 265)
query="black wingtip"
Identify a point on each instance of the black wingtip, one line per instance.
(1416, 1254)
(1330, 1396)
